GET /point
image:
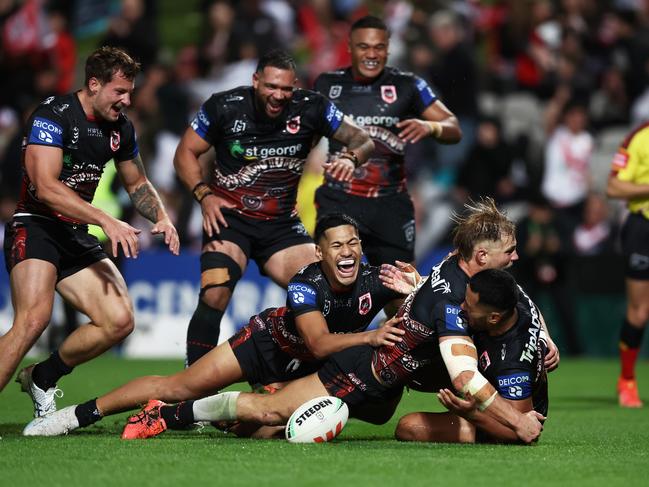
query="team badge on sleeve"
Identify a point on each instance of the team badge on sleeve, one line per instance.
(46, 132)
(453, 318)
(301, 294)
(389, 93)
(515, 386)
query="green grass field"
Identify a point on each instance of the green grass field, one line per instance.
(588, 440)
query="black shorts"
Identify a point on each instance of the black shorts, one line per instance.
(386, 224)
(261, 359)
(69, 247)
(635, 246)
(431, 377)
(348, 375)
(260, 239)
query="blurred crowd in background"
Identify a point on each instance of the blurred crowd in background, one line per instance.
(545, 92)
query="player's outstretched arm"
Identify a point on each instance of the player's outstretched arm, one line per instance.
(436, 121)
(321, 342)
(147, 202)
(43, 165)
(359, 147)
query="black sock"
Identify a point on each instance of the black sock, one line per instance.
(631, 335)
(178, 416)
(47, 373)
(87, 413)
(203, 331)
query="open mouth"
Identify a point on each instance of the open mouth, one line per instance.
(115, 109)
(274, 108)
(371, 65)
(346, 267)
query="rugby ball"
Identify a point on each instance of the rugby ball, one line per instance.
(318, 420)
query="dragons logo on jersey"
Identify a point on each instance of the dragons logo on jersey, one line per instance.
(484, 360)
(293, 125)
(364, 304)
(389, 93)
(114, 140)
(335, 91)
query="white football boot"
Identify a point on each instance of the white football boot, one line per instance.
(56, 424)
(44, 401)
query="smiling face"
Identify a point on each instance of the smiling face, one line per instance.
(369, 50)
(109, 99)
(340, 251)
(273, 89)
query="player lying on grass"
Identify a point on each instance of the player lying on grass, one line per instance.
(370, 380)
(505, 325)
(329, 305)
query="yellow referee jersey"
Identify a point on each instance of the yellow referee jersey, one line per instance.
(631, 163)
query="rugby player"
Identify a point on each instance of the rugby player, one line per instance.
(629, 180)
(396, 109)
(370, 380)
(68, 141)
(262, 135)
(505, 325)
(326, 302)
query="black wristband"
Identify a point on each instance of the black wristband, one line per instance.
(200, 191)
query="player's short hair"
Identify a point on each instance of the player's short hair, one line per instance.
(106, 61)
(482, 221)
(332, 220)
(496, 289)
(369, 22)
(276, 58)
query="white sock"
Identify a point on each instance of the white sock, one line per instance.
(220, 407)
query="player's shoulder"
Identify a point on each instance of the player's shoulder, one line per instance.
(232, 97)
(331, 76)
(309, 273)
(397, 75)
(639, 134)
(60, 106)
(302, 96)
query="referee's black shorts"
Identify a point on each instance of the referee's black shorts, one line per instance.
(635, 246)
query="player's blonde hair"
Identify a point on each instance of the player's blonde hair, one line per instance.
(481, 221)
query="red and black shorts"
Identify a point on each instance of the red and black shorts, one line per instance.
(261, 359)
(69, 247)
(635, 246)
(386, 224)
(348, 375)
(260, 239)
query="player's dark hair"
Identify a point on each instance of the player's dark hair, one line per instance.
(482, 221)
(496, 289)
(106, 61)
(369, 22)
(276, 58)
(330, 221)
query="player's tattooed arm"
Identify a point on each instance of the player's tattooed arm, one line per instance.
(147, 202)
(143, 195)
(356, 140)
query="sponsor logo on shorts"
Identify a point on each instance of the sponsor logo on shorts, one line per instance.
(515, 386)
(453, 318)
(639, 262)
(389, 93)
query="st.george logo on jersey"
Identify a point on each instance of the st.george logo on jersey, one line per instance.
(364, 304)
(389, 93)
(114, 140)
(293, 125)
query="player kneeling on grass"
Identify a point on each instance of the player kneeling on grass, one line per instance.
(329, 305)
(505, 324)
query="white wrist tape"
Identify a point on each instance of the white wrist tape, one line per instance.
(459, 356)
(485, 404)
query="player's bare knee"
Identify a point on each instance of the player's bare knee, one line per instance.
(638, 314)
(121, 325)
(217, 297)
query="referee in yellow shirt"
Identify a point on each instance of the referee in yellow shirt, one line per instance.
(629, 180)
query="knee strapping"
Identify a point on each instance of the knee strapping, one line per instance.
(218, 270)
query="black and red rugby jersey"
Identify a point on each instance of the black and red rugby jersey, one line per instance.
(259, 160)
(87, 146)
(377, 107)
(347, 312)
